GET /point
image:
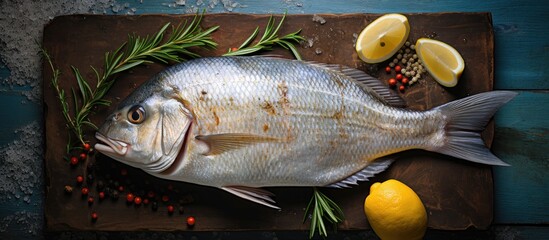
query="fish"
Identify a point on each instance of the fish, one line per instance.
(244, 123)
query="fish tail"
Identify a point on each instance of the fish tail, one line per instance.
(466, 118)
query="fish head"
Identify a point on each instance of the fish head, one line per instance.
(149, 134)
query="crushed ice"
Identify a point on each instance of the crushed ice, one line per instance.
(208, 5)
(319, 19)
(21, 165)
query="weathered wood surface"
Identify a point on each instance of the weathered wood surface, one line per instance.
(521, 137)
(457, 194)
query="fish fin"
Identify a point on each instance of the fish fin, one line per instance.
(220, 143)
(466, 118)
(375, 86)
(256, 195)
(271, 55)
(375, 167)
(368, 83)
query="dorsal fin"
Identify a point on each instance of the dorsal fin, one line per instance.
(375, 167)
(371, 85)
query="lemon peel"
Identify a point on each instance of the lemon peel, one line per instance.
(395, 211)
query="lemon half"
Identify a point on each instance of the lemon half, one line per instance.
(441, 60)
(382, 38)
(395, 211)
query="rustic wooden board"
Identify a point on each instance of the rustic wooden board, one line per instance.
(457, 194)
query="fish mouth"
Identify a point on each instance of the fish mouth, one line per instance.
(111, 146)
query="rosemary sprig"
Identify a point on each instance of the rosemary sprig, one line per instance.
(268, 40)
(136, 51)
(323, 208)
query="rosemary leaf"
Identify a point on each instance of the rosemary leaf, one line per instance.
(268, 40)
(249, 39)
(127, 66)
(90, 124)
(324, 209)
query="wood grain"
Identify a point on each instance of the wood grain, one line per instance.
(522, 190)
(458, 195)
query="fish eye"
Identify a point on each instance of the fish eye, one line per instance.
(136, 114)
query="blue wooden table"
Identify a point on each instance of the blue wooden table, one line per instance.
(521, 134)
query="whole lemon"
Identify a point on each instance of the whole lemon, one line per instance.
(395, 211)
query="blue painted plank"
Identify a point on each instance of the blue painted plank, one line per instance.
(521, 136)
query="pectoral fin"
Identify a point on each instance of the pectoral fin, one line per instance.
(256, 195)
(220, 143)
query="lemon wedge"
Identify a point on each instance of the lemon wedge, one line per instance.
(441, 60)
(382, 38)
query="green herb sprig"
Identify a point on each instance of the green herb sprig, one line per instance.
(268, 40)
(323, 209)
(136, 51)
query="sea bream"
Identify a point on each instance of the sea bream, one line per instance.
(242, 123)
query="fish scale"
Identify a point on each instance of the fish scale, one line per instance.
(240, 123)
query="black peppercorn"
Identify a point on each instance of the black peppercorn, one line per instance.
(115, 195)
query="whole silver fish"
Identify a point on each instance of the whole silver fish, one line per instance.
(240, 123)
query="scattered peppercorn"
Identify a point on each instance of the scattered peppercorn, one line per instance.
(90, 178)
(191, 221)
(101, 195)
(407, 63)
(137, 201)
(115, 195)
(79, 179)
(405, 81)
(401, 88)
(121, 188)
(399, 77)
(90, 200)
(392, 82)
(74, 161)
(146, 201)
(130, 197)
(91, 166)
(85, 191)
(150, 194)
(83, 156)
(388, 69)
(170, 209)
(165, 198)
(100, 185)
(94, 216)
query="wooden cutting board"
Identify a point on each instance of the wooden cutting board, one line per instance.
(457, 194)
